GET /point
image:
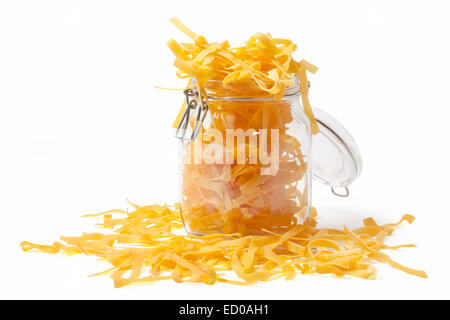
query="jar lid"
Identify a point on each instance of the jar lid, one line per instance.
(335, 159)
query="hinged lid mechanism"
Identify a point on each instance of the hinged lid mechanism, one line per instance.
(197, 107)
(335, 159)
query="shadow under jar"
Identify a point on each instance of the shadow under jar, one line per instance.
(244, 160)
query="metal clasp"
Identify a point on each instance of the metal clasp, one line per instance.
(342, 195)
(197, 106)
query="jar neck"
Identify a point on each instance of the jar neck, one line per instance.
(245, 90)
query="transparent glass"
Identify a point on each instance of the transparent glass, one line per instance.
(247, 171)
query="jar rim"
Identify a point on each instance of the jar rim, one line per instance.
(237, 95)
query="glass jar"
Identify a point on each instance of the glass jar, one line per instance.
(245, 160)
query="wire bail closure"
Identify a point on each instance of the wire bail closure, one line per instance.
(197, 107)
(342, 195)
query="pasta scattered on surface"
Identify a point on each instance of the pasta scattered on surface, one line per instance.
(145, 245)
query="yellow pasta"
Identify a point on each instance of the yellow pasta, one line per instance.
(265, 60)
(145, 245)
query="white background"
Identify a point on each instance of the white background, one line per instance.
(82, 127)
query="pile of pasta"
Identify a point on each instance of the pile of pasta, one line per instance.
(264, 61)
(145, 245)
(236, 197)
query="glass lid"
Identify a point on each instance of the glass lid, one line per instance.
(335, 159)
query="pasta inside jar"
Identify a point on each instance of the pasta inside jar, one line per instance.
(246, 171)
